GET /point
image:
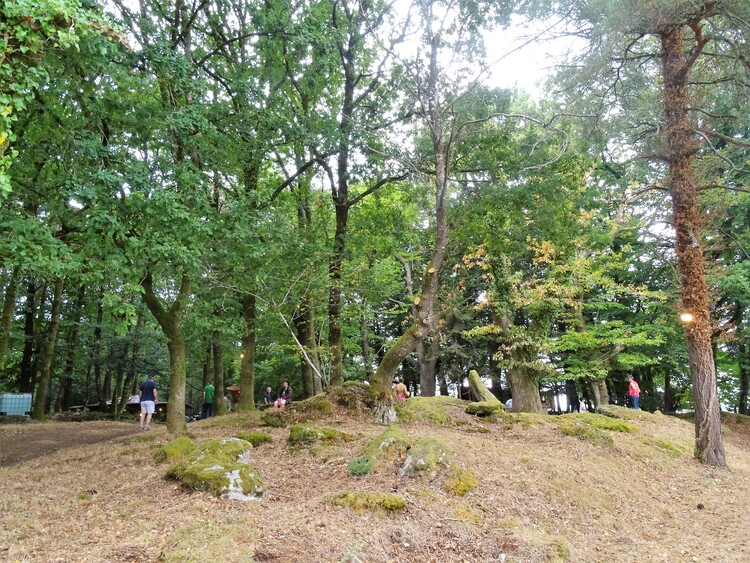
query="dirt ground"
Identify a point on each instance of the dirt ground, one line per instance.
(542, 496)
(24, 442)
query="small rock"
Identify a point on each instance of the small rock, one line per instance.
(700, 506)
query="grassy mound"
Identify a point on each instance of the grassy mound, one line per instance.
(175, 449)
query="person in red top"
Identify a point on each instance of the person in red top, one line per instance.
(634, 391)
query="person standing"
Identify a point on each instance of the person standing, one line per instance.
(401, 391)
(149, 398)
(635, 392)
(208, 400)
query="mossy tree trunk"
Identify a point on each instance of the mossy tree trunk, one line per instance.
(169, 321)
(48, 354)
(524, 388)
(680, 149)
(9, 308)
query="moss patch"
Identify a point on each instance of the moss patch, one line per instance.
(255, 438)
(460, 482)
(273, 418)
(175, 449)
(665, 446)
(359, 502)
(231, 420)
(221, 468)
(605, 422)
(434, 410)
(426, 458)
(465, 513)
(314, 407)
(308, 434)
(387, 446)
(587, 433)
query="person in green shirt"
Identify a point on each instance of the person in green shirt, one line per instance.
(208, 400)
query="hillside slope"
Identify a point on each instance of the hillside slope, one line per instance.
(567, 488)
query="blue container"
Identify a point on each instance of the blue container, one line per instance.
(15, 404)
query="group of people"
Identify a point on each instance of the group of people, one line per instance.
(149, 397)
(284, 398)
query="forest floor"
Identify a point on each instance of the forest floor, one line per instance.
(544, 494)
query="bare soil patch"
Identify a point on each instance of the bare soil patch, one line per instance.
(23, 442)
(542, 496)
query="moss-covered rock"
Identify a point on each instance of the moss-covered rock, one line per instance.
(221, 467)
(175, 449)
(426, 458)
(316, 406)
(308, 434)
(388, 446)
(354, 395)
(274, 418)
(460, 482)
(485, 409)
(255, 438)
(360, 502)
(478, 390)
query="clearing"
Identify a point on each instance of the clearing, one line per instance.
(566, 488)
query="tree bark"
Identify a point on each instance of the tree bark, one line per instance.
(247, 370)
(75, 330)
(38, 409)
(218, 374)
(6, 317)
(26, 379)
(686, 221)
(169, 321)
(744, 376)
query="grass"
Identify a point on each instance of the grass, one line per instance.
(377, 502)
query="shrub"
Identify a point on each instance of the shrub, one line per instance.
(360, 466)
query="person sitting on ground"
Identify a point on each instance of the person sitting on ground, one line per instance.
(400, 389)
(267, 397)
(285, 396)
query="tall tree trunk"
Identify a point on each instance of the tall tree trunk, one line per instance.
(66, 399)
(365, 339)
(27, 376)
(96, 350)
(744, 364)
(130, 386)
(6, 317)
(247, 370)
(303, 336)
(207, 365)
(335, 344)
(686, 221)
(45, 373)
(169, 321)
(218, 374)
(427, 358)
(525, 391)
(668, 394)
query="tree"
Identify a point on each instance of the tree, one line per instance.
(690, 48)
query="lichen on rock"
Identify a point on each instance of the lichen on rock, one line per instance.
(221, 467)
(387, 446)
(426, 458)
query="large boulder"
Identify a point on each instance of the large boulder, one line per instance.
(478, 391)
(220, 467)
